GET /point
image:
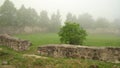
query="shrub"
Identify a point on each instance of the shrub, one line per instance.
(72, 33)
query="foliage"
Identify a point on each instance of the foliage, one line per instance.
(72, 33)
(26, 17)
(11, 19)
(7, 14)
(55, 22)
(102, 23)
(117, 24)
(22, 16)
(44, 19)
(86, 21)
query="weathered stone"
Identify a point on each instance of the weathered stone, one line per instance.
(108, 54)
(14, 43)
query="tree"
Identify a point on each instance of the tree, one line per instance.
(44, 19)
(72, 33)
(55, 22)
(7, 14)
(7, 17)
(26, 17)
(71, 18)
(102, 23)
(22, 16)
(32, 17)
(86, 21)
(117, 24)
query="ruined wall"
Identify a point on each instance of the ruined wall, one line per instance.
(108, 54)
(14, 43)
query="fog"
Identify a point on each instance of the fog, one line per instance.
(95, 16)
(97, 8)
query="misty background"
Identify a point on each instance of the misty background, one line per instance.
(29, 16)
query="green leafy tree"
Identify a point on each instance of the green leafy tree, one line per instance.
(117, 24)
(26, 17)
(71, 18)
(102, 23)
(86, 21)
(55, 22)
(7, 14)
(44, 19)
(32, 17)
(72, 33)
(7, 17)
(22, 16)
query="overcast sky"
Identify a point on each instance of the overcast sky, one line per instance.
(109, 9)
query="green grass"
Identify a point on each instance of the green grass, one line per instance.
(52, 38)
(70, 63)
(12, 57)
(39, 39)
(92, 40)
(103, 40)
(17, 60)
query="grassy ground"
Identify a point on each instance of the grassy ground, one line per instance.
(17, 60)
(103, 40)
(39, 39)
(50, 38)
(92, 40)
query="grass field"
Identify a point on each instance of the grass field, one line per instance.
(91, 40)
(16, 59)
(103, 40)
(52, 38)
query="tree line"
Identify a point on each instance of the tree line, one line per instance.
(13, 20)
(100, 25)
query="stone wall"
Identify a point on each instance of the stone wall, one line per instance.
(14, 43)
(108, 54)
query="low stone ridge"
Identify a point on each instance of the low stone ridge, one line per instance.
(107, 54)
(14, 43)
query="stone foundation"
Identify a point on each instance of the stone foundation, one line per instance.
(108, 54)
(14, 43)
